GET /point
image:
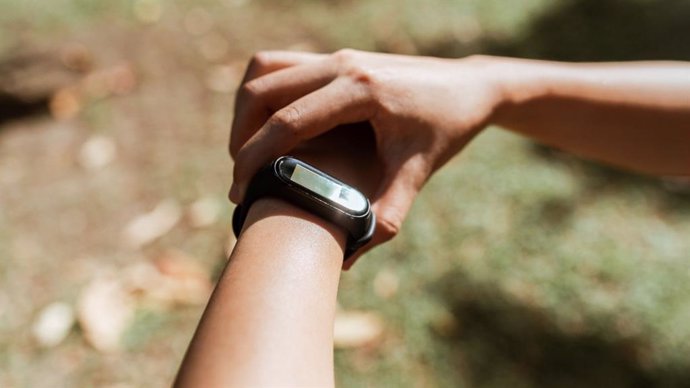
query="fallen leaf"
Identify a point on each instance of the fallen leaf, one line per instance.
(77, 57)
(65, 104)
(184, 278)
(105, 310)
(97, 152)
(386, 283)
(119, 80)
(53, 324)
(150, 226)
(203, 212)
(355, 329)
(172, 279)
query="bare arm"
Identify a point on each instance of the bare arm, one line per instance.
(425, 110)
(270, 319)
(633, 115)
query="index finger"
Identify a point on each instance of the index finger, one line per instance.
(340, 102)
(263, 63)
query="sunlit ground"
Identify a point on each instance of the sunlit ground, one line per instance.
(519, 266)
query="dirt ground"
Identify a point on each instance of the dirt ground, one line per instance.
(550, 272)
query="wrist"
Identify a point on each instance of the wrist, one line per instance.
(276, 221)
(518, 82)
(271, 315)
(506, 81)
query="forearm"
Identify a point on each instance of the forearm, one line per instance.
(270, 319)
(635, 115)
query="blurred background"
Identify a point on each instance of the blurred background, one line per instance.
(519, 266)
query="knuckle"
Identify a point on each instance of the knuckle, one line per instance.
(389, 227)
(251, 89)
(352, 66)
(345, 55)
(287, 119)
(362, 75)
(260, 59)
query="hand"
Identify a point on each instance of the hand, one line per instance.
(423, 111)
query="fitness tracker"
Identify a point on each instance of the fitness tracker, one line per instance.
(305, 186)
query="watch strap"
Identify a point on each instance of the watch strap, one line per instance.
(267, 183)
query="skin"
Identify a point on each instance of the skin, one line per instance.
(270, 319)
(425, 110)
(269, 322)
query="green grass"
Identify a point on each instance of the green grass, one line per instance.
(505, 232)
(517, 266)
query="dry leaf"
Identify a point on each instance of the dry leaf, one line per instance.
(97, 152)
(386, 283)
(65, 104)
(140, 278)
(172, 279)
(105, 311)
(355, 329)
(121, 79)
(116, 80)
(150, 226)
(53, 324)
(203, 212)
(77, 57)
(184, 278)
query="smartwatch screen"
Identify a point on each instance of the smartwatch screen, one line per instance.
(323, 185)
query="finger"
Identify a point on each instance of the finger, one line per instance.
(395, 197)
(340, 102)
(350, 261)
(266, 62)
(271, 92)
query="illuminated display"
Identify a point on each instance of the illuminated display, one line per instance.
(329, 189)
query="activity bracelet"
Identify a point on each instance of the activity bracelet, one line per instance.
(315, 191)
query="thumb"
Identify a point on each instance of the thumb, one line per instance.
(398, 190)
(395, 196)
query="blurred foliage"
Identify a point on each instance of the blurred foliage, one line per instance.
(518, 266)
